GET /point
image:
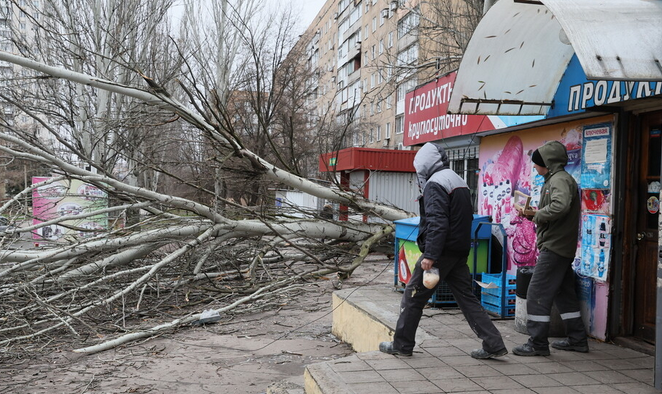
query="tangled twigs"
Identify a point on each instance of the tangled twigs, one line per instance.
(261, 292)
(247, 276)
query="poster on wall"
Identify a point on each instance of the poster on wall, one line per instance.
(586, 296)
(56, 199)
(596, 157)
(595, 247)
(596, 200)
(505, 164)
(506, 168)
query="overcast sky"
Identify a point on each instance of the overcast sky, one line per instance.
(305, 10)
(308, 8)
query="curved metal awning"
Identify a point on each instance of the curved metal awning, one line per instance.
(520, 50)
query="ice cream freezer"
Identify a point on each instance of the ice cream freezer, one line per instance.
(407, 254)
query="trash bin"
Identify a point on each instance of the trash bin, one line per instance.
(407, 253)
(524, 274)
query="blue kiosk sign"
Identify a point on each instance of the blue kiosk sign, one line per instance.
(576, 93)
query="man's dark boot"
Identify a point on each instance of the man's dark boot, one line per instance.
(387, 347)
(566, 345)
(528, 350)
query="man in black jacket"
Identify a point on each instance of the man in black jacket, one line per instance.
(445, 241)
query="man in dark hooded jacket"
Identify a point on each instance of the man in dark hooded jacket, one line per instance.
(445, 241)
(553, 280)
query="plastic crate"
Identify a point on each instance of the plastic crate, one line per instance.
(510, 291)
(509, 310)
(491, 299)
(496, 300)
(443, 295)
(496, 279)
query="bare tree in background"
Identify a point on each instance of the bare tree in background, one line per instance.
(448, 26)
(155, 123)
(442, 30)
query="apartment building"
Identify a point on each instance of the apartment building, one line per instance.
(16, 26)
(17, 20)
(367, 54)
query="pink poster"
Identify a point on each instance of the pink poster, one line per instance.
(67, 198)
(506, 167)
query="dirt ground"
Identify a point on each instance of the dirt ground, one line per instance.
(244, 356)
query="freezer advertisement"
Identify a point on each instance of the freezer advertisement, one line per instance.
(506, 172)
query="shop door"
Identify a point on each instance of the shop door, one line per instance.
(647, 208)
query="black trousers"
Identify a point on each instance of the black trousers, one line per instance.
(553, 281)
(455, 272)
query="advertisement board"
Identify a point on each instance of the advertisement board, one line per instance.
(70, 198)
(506, 169)
(426, 117)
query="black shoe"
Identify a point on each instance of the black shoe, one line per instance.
(528, 350)
(484, 354)
(566, 345)
(387, 347)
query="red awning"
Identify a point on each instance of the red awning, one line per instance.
(368, 159)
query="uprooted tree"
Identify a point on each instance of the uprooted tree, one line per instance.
(187, 137)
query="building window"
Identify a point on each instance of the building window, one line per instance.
(388, 130)
(402, 90)
(379, 133)
(381, 46)
(408, 23)
(399, 124)
(374, 24)
(408, 55)
(390, 39)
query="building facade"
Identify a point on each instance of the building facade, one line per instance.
(366, 55)
(17, 21)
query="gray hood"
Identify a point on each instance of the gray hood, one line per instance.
(555, 156)
(431, 158)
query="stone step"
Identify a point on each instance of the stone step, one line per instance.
(362, 317)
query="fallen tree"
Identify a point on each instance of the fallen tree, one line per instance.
(178, 254)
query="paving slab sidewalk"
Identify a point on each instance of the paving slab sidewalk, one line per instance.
(441, 361)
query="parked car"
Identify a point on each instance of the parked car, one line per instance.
(6, 224)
